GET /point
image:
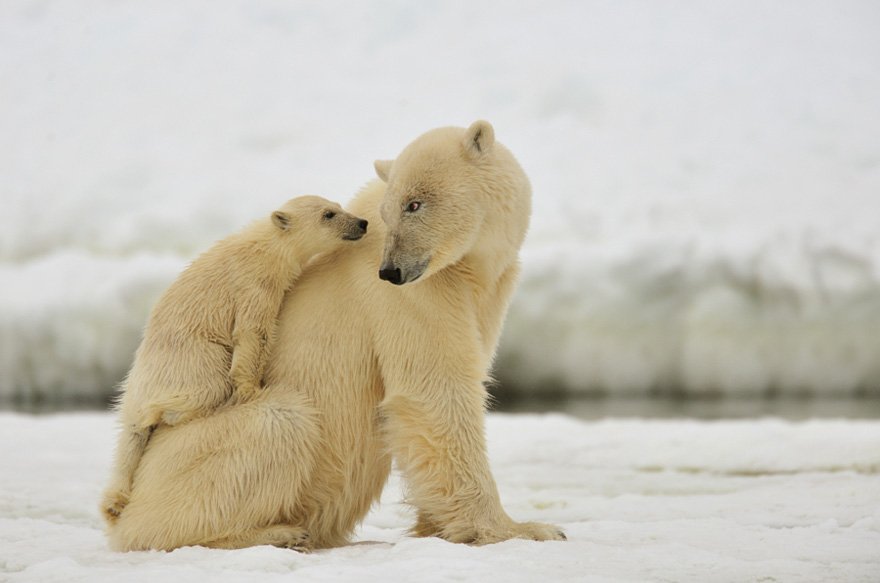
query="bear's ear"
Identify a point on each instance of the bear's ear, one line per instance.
(281, 220)
(383, 168)
(478, 139)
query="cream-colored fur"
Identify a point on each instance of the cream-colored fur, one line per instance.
(206, 339)
(363, 371)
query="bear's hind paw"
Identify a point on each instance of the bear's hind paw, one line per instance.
(113, 504)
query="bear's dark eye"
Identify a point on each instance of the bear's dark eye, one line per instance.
(413, 206)
(329, 215)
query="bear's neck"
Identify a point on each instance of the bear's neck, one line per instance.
(504, 228)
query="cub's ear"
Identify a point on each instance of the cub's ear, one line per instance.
(383, 167)
(281, 220)
(478, 139)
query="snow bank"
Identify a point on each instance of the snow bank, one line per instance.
(706, 176)
(640, 501)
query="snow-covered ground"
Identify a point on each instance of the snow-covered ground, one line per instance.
(706, 174)
(683, 501)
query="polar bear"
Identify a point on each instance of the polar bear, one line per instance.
(382, 352)
(206, 338)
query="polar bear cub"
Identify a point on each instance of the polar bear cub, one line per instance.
(206, 339)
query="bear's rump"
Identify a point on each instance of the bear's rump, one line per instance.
(239, 468)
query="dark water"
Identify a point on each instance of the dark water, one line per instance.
(791, 408)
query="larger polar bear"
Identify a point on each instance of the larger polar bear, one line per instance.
(363, 370)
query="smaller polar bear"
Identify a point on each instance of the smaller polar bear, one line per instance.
(206, 340)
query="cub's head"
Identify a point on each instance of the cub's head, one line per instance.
(317, 223)
(440, 190)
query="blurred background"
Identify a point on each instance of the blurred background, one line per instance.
(706, 230)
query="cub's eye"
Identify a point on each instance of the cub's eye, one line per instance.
(329, 215)
(413, 206)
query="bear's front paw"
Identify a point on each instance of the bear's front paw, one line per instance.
(539, 531)
(525, 530)
(112, 504)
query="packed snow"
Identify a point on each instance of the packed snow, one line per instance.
(706, 175)
(684, 501)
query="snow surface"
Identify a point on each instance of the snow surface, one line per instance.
(760, 500)
(706, 174)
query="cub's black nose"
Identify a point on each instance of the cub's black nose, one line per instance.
(363, 225)
(391, 274)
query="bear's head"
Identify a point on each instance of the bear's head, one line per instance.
(314, 224)
(451, 193)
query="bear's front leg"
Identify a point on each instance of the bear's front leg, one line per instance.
(437, 436)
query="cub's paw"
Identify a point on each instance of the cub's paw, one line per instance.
(174, 417)
(246, 391)
(112, 504)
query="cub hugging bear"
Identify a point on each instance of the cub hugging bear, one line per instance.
(382, 350)
(206, 339)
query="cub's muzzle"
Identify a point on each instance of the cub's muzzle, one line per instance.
(358, 231)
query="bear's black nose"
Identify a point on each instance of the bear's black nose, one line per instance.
(391, 274)
(363, 225)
